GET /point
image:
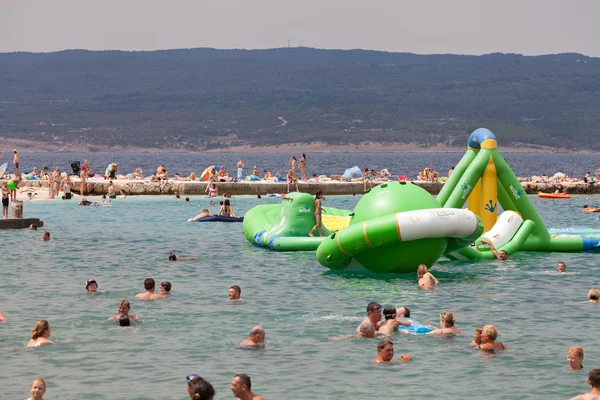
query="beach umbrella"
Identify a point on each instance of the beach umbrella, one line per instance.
(206, 173)
(3, 169)
(353, 172)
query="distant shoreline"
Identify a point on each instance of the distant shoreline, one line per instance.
(31, 146)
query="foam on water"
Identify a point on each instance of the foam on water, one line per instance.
(195, 330)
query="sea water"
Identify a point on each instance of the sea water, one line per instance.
(539, 312)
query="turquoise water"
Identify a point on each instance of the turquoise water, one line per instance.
(539, 313)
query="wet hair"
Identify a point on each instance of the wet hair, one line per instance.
(562, 263)
(594, 378)
(576, 351)
(406, 312)
(372, 306)
(381, 345)
(479, 330)
(201, 389)
(389, 312)
(594, 294)
(227, 202)
(236, 288)
(124, 321)
(318, 194)
(448, 318)
(221, 203)
(256, 330)
(172, 256)
(40, 380)
(45, 235)
(245, 380)
(39, 329)
(166, 285)
(149, 284)
(187, 199)
(490, 331)
(421, 270)
(125, 303)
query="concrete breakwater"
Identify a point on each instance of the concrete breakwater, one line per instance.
(137, 187)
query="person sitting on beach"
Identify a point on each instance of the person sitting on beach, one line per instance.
(234, 293)
(40, 334)
(165, 287)
(45, 175)
(385, 353)
(314, 179)
(255, 171)
(153, 177)
(177, 177)
(391, 324)
(37, 389)
(594, 295)
(373, 317)
(502, 255)
(266, 175)
(291, 179)
(447, 321)
(426, 279)
(256, 338)
(34, 175)
(240, 166)
(241, 387)
(45, 236)
(138, 174)
(91, 285)
(489, 333)
(123, 310)
(575, 358)
(367, 177)
(173, 257)
(476, 337)
(161, 172)
(594, 382)
(226, 209)
(149, 293)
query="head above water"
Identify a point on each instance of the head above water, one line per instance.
(389, 312)
(561, 267)
(165, 286)
(234, 292)
(172, 256)
(200, 389)
(149, 284)
(91, 285)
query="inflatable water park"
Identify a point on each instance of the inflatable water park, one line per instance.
(397, 226)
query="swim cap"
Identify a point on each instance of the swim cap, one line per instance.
(89, 282)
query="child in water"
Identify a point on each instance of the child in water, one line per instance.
(426, 279)
(37, 389)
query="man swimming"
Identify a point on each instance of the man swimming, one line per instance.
(91, 285)
(256, 338)
(502, 255)
(234, 292)
(165, 287)
(373, 318)
(205, 213)
(173, 257)
(149, 293)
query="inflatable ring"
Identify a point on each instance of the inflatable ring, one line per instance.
(415, 327)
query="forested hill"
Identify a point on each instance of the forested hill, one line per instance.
(205, 98)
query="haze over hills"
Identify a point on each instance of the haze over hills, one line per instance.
(202, 99)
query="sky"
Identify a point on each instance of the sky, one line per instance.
(529, 27)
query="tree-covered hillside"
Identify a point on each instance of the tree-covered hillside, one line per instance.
(206, 98)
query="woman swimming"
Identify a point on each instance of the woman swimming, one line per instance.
(446, 325)
(318, 210)
(40, 334)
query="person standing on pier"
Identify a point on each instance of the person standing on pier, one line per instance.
(240, 166)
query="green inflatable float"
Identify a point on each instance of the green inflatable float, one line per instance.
(395, 227)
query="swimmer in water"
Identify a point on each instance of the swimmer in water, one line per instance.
(124, 309)
(489, 334)
(561, 267)
(37, 389)
(2, 317)
(46, 236)
(33, 227)
(165, 287)
(173, 257)
(241, 387)
(446, 325)
(476, 337)
(91, 285)
(385, 353)
(234, 293)
(502, 255)
(575, 358)
(391, 324)
(199, 389)
(149, 294)
(594, 295)
(426, 279)
(256, 338)
(594, 382)
(40, 334)
(373, 319)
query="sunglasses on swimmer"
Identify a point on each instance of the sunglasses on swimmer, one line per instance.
(190, 377)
